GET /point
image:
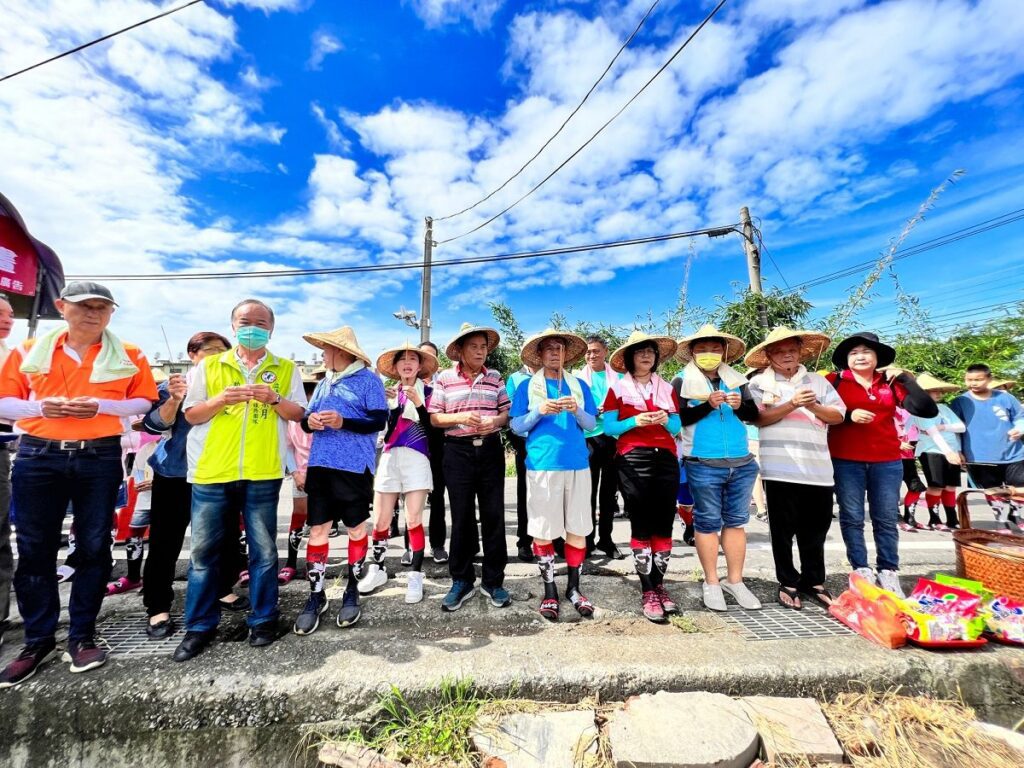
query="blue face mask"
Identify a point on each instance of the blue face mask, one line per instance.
(252, 336)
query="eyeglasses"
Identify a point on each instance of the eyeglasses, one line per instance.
(213, 349)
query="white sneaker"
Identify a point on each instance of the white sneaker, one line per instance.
(375, 576)
(414, 592)
(714, 600)
(64, 573)
(867, 573)
(742, 595)
(890, 581)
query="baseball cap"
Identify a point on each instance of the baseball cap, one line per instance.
(83, 290)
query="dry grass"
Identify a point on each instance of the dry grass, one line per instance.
(886, 730)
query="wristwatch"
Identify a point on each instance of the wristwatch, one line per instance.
(278, 401)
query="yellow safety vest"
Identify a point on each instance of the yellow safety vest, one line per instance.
(244, 440)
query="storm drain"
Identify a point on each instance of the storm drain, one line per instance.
(126, 636)
(776, 622)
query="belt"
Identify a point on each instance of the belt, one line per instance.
(475, 440)
(113, 441)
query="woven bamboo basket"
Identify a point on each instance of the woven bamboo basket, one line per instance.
(995, 559)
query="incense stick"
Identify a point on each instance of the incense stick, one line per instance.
(169, 356)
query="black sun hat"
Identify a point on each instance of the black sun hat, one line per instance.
(886, 354)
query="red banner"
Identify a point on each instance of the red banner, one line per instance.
(18, 264)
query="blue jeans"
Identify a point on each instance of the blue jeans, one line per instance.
(880, 480)
(721, 495)
(44, 480)
(215, 509)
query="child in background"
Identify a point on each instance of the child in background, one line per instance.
(908, 435)
(938, 448)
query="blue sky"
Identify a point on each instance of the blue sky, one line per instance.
(268, 134)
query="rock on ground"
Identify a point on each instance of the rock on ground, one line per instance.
(792, 730)
(541, 740)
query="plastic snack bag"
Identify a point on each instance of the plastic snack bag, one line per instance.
(938, 614)
(871, 612)
(1004, 619)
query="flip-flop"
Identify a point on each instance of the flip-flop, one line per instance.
(286, 574)
(822, 597)
(549, 608)
(795, 603)
(583, 606)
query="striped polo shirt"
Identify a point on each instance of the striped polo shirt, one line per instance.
(795, 449)
(454, 392)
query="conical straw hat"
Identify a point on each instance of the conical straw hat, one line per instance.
(386, 361)
(666, 348)
(343, 338)
(929, 383)
(812, 345)
(467, 329)
(575, 348)
(734, 346)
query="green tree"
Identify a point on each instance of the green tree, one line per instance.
(742, 315)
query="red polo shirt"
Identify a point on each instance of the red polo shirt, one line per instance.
(876, 441)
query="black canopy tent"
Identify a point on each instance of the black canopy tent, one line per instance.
(21, 257)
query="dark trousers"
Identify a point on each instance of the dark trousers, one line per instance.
(803, 512)
(604, 483)
(523, 539)
(44, 481)
(6, 557)
(649, 480)
(475, 476)
(438, 528)
(169, 517)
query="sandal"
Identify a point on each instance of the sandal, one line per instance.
(821, 596)
(793, 594)
(549, 608)
(286, 574)
(583, 606)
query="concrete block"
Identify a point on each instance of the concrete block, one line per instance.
(1011, 738)
(541, 740)
(682, 730)
(792, 730)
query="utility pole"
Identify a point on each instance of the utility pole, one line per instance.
(753, 263)
(428, 252)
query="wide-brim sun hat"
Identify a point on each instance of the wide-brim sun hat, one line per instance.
(387, 358)
(886, 354)
(1002, 384)
(468, 329)
(734, 345)
(343, 338)
(929, 383)
(575, 348)
(812, 345)
(666, 348)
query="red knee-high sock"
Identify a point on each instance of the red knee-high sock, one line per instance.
(911, 498)
(416, 539)
(685, 512)
(932, 499)
(948, 498)
(661, 543)
(316, 565)
(298, 520)
(574, 556)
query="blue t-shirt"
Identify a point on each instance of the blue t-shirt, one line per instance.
(988, 422)
(925, 442)
(599, 389)
(556, 442)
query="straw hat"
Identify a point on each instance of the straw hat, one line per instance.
(1006, 384)
(734, 346)
(886, 354)
(343, 338)
(467, 329)
(812, 344)
(929, 383)
(159, 375)
(575, 348)
(386, 361)
(666, 348)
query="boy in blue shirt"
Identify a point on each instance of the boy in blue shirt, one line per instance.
(553, 410)
(992, 443)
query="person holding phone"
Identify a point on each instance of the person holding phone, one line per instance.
(642, 411)
(865, 450)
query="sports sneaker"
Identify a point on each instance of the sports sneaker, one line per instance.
(308, 620)
(350, 610)
(714, 600)
(867, 573)
(460, 592)
(25, 664)
(742, 595)
(500, 598)
(414, 591)
(406, 558)
(440, 555)
(890, 581)
(122, 585)
(65, 573)
(85, 655)
(667, 603)
(375, 576)
(652, 607)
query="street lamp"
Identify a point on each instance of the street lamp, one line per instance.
(407, 316)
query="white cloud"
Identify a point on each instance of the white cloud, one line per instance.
(436, 13)
(324, 44)
(335, 140)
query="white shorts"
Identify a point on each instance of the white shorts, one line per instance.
(557, 503)
(402, 470)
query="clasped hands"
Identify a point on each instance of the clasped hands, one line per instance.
(63, 407)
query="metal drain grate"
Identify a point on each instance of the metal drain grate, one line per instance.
(775, 622)
(126, 636)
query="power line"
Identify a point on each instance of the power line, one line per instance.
(101, 39)
(562, 126)
(709, 231)
(583, 146)
(766, 252)
(928, 245)
(962, 315)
